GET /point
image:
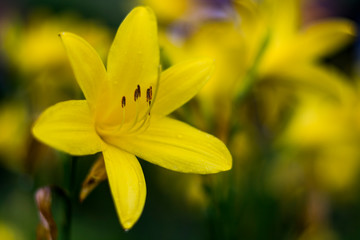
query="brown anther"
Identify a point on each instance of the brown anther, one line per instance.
(150, 95)
(136, 95)
(123, 102)
(139, 90)
(149, 102)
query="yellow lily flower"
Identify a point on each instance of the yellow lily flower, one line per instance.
(293, 51)
(124, 114)
(32, 47)
(9, 232)
(13, 122)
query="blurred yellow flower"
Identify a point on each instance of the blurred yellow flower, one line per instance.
(14, 137)
(337, 167)
(221, 41)
(35, 53)
(32, 46)
(318, 121)
(326, 128)
(124, 114)
(39, 75)
(293, 51)
(260, 41)
(8, 232)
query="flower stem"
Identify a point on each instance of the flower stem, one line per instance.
(70, 198)
(250, 77)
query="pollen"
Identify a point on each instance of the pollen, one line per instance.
(137, 93)
(123, 102)
(149, 94)
(139, 90)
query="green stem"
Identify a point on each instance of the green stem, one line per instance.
(70, 198)
(250, 78)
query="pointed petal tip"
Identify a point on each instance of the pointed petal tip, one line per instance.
(143, 10)
(34, 130)
(352, 30)
(345, 26)
(226, 164)
(224, 160)
(127, 184)
(128, 224)
(65, 34)
(83, 195)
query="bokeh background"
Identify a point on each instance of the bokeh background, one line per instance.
(284, 98)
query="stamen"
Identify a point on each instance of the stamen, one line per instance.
(146, 118)
(136, 95)
(123, 102)
(147, 95)
(156, 89)
(150, 93)
(139, 90)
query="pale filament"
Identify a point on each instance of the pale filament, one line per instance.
(144, 121)
(150, 99)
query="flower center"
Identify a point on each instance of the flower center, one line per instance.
(134, 113)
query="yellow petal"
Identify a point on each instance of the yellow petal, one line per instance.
(127, 184)
(323, 38)
(319, 40)
(96, 175)
(317, 77)
(88, 67)
(133, 60)
(180, 83)
(177, 146)
(279, 10)
(67, 126)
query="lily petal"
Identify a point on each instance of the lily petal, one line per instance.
(88, 67)
(133, 60)
(180, 83)
(127, 184)
(283, 9)
(68, 126)
(177, 146)
(328, 80)
(324, 38)
(319, 40)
